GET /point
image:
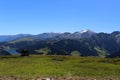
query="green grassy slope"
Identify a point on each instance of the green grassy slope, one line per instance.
(59, 66)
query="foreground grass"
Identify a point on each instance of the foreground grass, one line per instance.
(59, 66)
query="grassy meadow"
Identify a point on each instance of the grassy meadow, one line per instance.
(59, 66)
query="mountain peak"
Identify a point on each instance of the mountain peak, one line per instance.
(86, 30)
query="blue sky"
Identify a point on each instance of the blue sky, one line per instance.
(38, 16)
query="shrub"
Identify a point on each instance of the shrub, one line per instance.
(24, 52)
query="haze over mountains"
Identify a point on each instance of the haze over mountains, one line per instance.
(86, 42)
(67, 35)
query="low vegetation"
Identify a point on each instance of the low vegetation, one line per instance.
(34, 66)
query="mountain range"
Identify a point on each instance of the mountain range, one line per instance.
(82, 34)
(85, 42)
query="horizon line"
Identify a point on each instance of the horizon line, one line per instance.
(54, 32)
